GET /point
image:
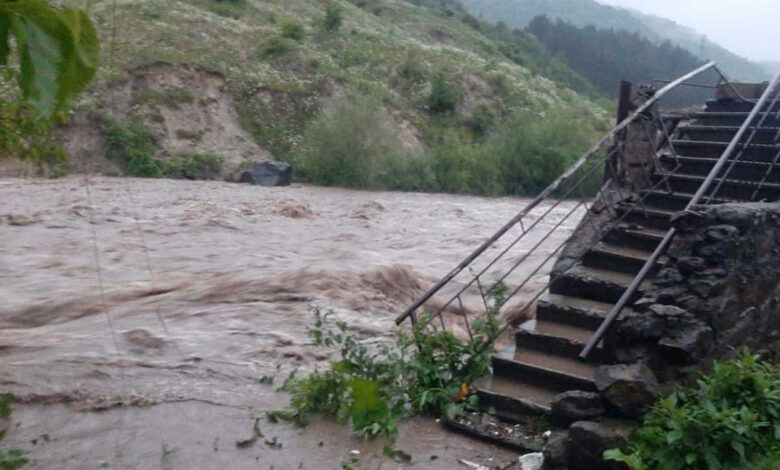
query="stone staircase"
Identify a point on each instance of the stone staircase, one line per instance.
(544, 360)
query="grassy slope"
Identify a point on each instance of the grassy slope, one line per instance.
(518, 13)
(277, 93)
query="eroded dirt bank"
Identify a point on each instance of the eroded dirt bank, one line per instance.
(207, 287)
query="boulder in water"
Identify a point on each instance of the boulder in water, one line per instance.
(268, 174)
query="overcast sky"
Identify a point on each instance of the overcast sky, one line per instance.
(751, 28)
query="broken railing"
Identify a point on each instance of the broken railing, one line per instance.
(765, 107)
(488, 281)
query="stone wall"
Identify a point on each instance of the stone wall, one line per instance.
(718, 290)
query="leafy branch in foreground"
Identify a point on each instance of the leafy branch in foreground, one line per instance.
(730, 419)
(426, 371)
(57, 51)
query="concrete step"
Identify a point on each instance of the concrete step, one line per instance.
(735, 105)
(730, 189)
(495, 430)
(540, 369)
(752, 152)
(617, 257)
(592, 283)
(763, 135)
(511, 398)
(635, 236)
(556, 338)
(645, 215)
(574, 311)
(741, 169)
(672, 201)
(732, 119)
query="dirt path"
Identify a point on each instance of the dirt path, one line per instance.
(208, 286)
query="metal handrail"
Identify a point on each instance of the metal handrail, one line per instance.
(409, 312)
(663, 246)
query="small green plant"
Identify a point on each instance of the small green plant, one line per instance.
(729, 419)
(189, 134)
(274, 47)
(426, 371)
(10, 458)
(481, 120)
(169, 96)
(444, 95)
(333, 18)
(133, 145)
(229, 8)
(192, 166)
(292, 30)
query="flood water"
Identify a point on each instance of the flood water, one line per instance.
(138, 315)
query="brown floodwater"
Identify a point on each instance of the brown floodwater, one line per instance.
(206, 287)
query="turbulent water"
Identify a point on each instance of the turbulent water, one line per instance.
(139, 315)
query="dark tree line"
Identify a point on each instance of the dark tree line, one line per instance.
(606, 56)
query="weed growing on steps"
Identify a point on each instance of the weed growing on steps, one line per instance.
(426, 371)
(729, 420)
(10, 458)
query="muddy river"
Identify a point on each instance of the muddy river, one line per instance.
(138, 316)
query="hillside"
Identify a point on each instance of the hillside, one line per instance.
(245, 80)
(518, 13)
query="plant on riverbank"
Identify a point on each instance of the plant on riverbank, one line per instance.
(10, 458)
(427, 371)
(730, 419)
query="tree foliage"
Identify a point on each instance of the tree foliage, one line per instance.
(57, 51)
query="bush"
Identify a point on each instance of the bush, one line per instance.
(729, 419)
(444, 95)
(293, 31)
(333, 18)
(481, 120)
(192, 166)
(348, 145)
(229, 8)
(275, 46)
(133, 145)
(533, 151)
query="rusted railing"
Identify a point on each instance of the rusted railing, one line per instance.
(754, 121)
(565, 200)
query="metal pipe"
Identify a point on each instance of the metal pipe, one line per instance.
(549, 190)
(661, 248)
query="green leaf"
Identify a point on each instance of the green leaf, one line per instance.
(368, 405)
(58, 51)
(5, 33)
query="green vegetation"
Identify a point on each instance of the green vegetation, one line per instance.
(352, 144)
(228, 8)
(444, 95)
(425, 372)
(134, 146)
(729, 419)
(333, 18)
(10, 458)
(292, 30)
(169, 96)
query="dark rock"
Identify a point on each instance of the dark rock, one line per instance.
(687, 344)
(667, 310)
(630, 388)
(588, 441)
(575, 405)
(705, 288)
(556, 450)
(638, 326)
(268, 174)
(689, 264)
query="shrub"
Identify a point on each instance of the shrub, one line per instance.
(169, 96)
(444, 95)
(187, 134)
(533, 151)
(275, 46)
(333, 18)
(348, 145)
(192, 166)
(729, 419)
(427, 372)
(133, 145)
(481, 120)
(229, 8)
(10, 458)
(292, 30)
